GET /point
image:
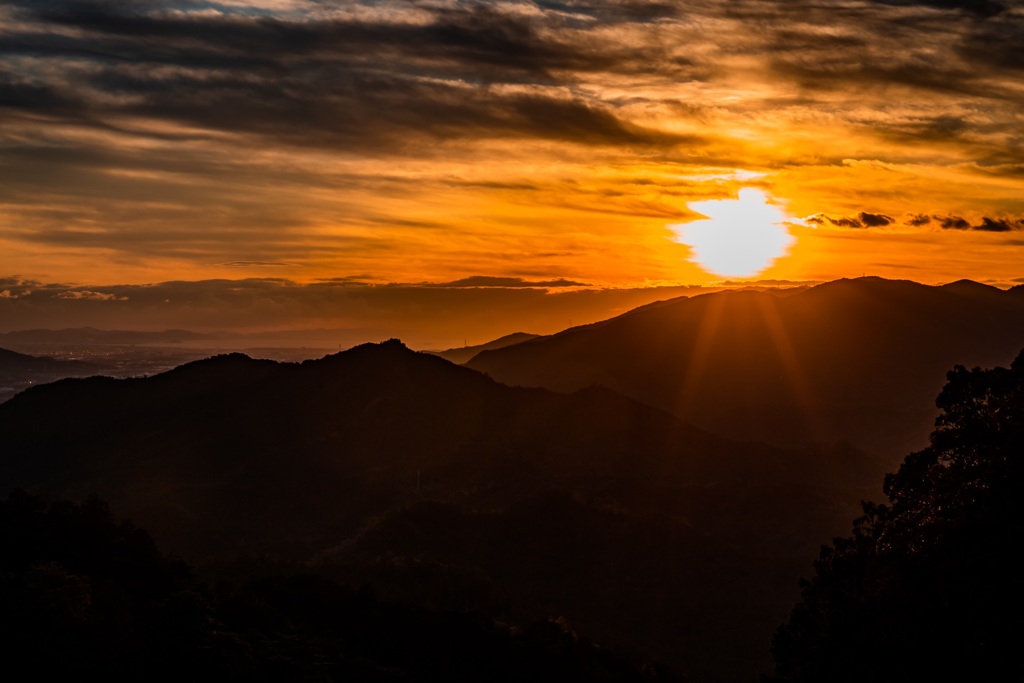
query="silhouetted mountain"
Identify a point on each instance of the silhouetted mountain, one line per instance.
(370, 418)
(851, 360)
(338, 456)
(19, 370)
(14, 364)
(463, 354)
(971, 288)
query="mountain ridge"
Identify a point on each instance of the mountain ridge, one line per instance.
(19, 371)
(460, 355)
(858, 360)
(332, 458)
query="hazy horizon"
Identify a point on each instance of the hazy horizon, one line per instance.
(425, 316)
(392, 145)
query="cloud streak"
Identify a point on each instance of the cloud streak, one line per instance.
(426, 315)
(465, 71)
(919, 220)
(539, 141)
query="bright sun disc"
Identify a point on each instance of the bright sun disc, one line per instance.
(740, 238)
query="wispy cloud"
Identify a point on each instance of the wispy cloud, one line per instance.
(426, 140)
(487, 310)
(491, 281)
(247, 264)
(78, 294)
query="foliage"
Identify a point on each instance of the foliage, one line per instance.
(85, 596)
(927, 587)
(81, 593)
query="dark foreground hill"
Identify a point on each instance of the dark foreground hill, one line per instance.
(852, 360)
(440, 487)
(84, 597)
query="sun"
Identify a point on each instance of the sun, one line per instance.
(740, 237)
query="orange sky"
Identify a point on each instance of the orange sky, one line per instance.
(395, 143)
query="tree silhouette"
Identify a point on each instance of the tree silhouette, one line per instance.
(82, 593)
(83, 596)
(928, 587)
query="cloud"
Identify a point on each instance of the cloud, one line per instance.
(918, 220)
(997, 225)
(79, 294)
(995, 45)
(347, 280)
(874, 220)
(982, 8)
(616, 10)
(18, 288)
(311, 81)
(169, 136)
(424, 315)
(953, 222)
(373, 75)
(876, 49)
(490, 281)
(846, 222)
(987, 224)
(861, 220)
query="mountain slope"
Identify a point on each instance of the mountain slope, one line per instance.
(19, 371)
(574, 501)
(13, 362)
(460, 355)
(379, 421)
(852, 360)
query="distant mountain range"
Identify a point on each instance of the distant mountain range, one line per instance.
(12, 362)
(435, 483)
(91, 335)
(460, 355)
(857, 361)
(326, 339)
(19, 370)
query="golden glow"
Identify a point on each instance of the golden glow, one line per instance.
(558, 155)
(740, 237)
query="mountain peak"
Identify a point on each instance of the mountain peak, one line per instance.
(219, 369)
(391, 358)
(869, 281)
(834, 362)
(388, 348)
(460, 355)
(394, 344)
(965, 286)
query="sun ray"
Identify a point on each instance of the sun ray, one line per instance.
(799, 385)
(700, 351)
